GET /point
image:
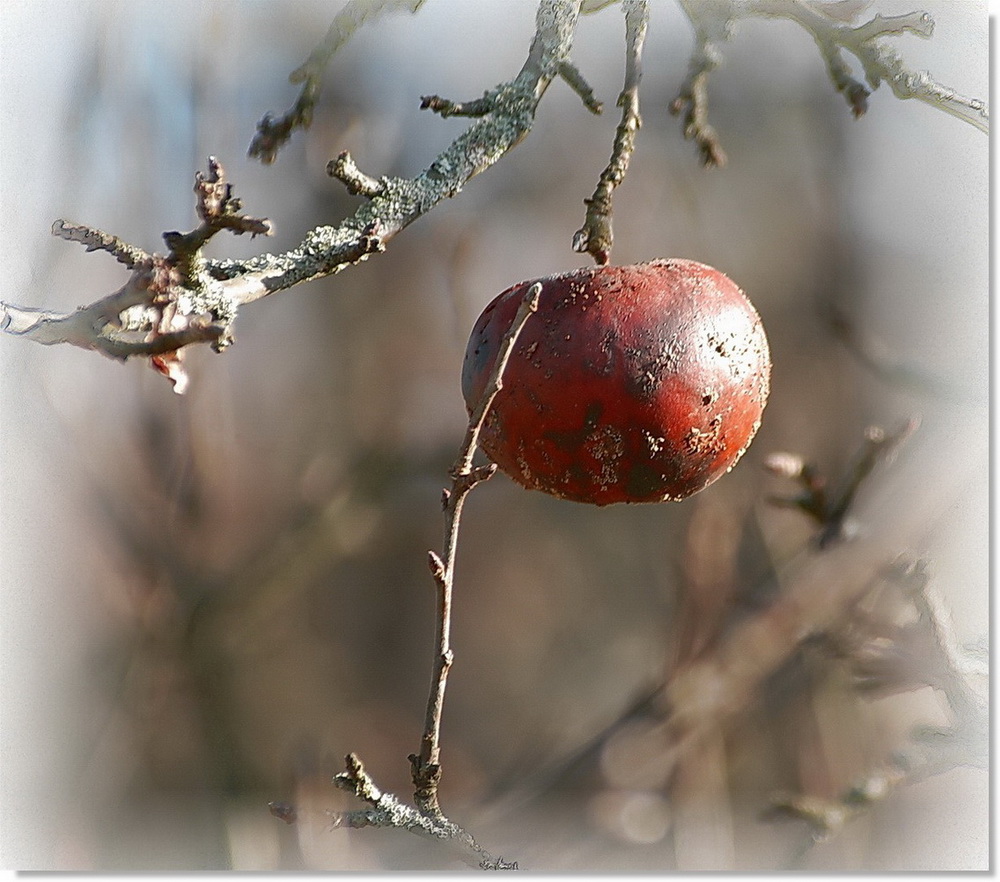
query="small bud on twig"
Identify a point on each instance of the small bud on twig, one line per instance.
(436, 565)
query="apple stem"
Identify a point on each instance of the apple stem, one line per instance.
(596, 236)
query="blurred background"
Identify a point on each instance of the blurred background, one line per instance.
(208, 600)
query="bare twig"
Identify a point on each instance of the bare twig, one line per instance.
(879, 61)
(830, 510)
(596, 236)
(711, 20)
(830, 25)
(426, 818)
(427, 764)
(445, 107)
(345, 170)
(575, 80)
(273, 133)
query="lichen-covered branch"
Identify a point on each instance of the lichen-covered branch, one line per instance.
(504, 117)
(169, 302)
(181, 298)
(596, 236)
(832, 26)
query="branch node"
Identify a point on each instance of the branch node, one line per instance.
(445, 108)
(436, 566)
(345, 170)
(219, 209)
(371, 240)
(283, 811)
(575, 80)
(830, 510)
(484, 472)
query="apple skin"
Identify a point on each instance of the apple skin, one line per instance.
(639, 383)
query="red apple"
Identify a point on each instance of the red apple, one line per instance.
(630, 384)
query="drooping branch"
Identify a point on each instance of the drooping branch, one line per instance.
(190, 299)
(879, 61)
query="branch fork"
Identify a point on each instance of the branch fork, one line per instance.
(169, 302)
(830, 510)
(831, 25)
